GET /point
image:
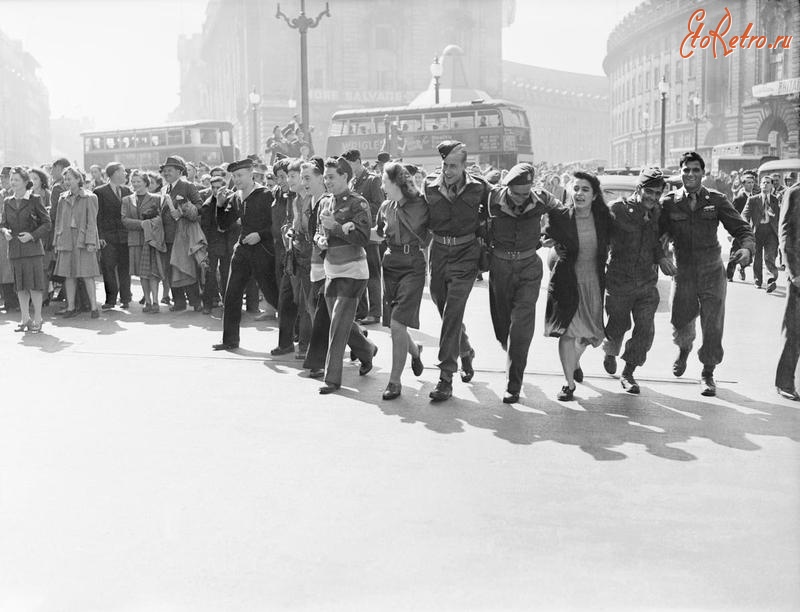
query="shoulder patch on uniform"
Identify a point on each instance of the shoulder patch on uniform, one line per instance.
(364, 205)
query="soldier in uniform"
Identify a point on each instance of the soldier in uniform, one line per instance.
(254, 255)
(689, 219)
(368, 186)
(220, 247)
(513, 232)
(343, 232)
(631, 276)
(457, 201)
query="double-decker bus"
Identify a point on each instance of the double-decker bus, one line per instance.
(210, 142)
(495, 132)
(747, 154)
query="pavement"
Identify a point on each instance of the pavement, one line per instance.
(140, 471)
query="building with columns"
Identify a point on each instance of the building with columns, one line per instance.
(24, 107)
(365, 54)
(750, 94)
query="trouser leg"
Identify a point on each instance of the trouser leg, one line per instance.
(320, 327)
(500, 294)
(108, 266)
(240, 274)
(251, 294)
(712, 289)
(342, 311)
(786, 372)
(618, 311)
(644, 309)
(287, 312)
(685, 306)
(264, 274)
(771, 255)
(211, 287)
(124, 273)
(523, 321)
(374, 284)
(758, 260)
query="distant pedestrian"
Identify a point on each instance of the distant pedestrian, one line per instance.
(761, 211)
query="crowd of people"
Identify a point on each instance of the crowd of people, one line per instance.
(336, 245)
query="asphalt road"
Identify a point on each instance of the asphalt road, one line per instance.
(140, 471)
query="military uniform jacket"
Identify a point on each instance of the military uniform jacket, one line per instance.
(459, 215)
(635, 247)
(694, 233)
(368, 186)
(345, 255)
(254, 212)
(511, 232)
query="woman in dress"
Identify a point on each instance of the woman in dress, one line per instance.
(76, 240)
(579, 234)
(402, 221)
(156, 189)
(141, 216)
(24, 224)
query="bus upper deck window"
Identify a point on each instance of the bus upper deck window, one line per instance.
(488, 118)
(111, 142)
(209, 137)
(437, 122)
(226, 138)
(462, 120)
(337, 127)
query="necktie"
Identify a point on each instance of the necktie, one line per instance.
(118, 192)
(693, 201)
(766, 209)
(169, 189)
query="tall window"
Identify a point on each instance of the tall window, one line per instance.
(678, 108)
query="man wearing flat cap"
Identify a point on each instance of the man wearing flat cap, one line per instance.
(5, 182)
(689, 219)
(254, 255)
(513, 232)
(632, 275)
(457, 203)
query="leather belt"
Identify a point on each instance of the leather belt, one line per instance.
(405, 248)
(513, 255)
(454, 240)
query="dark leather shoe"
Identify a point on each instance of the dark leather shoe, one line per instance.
(790, 394)
(578, 375)
(442, 392)
(416, 362)
(316, 373)
(610, 364)
(224, 346)
(771, 286)
(741, 273)
(125, 305)
(510, 398)
(329, 388)
(679, 366)
(107, 306)
(467, 371)
(392, 391)
(629, 383)
(566, 394)
(95, 314)
(367, 367)
(177, 308)
(142, 301)
(282, 350)
(207, 310)
(707, 381)
(370, 320)
(69, 314)
(165, 300)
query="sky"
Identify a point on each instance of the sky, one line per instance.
(120, 47)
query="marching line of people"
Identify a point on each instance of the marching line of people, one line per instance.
(333, 246)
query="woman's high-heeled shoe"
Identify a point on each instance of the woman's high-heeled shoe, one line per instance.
(35, 327)
(22, 327)
(416, 362)
(566, 394)
(392, 391)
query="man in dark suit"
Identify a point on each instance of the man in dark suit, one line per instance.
(789, 225)
(113, 237)
(186, 203)
(761, 211)
(740, 199)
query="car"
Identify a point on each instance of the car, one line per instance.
(787, 168)
(617, 186)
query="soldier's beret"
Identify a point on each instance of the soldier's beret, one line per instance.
(319, 163)
(343, 167)
(242, 164)
(651, 177)
(6, 171)
(520, 174)
(449, 146)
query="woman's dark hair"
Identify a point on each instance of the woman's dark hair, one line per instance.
(77, 174)
(23, 174)
(597, 198)
(145, 176)
(156, 178)
(401, 177)
(43, 178)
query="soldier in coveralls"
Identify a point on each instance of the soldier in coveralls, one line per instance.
(631, 276)
(456, 201)
(513, 232)
(689, 218)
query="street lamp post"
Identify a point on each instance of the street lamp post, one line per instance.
(663, 89)
(301, 23)
(436, 73)
(696, 117)
(387, 133)
(645, 126)
(255, 100)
